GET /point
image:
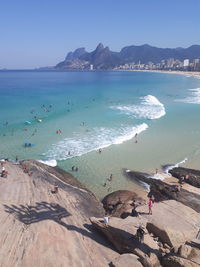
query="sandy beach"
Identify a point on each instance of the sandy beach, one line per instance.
(195, 74)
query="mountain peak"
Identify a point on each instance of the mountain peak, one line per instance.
(76, 54)
(99, 47)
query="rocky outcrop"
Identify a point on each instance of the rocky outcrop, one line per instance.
(176, 261)
(41, 228)
(118, 203)
(89, 207)
(170, 228)
(190, 252)
(126, 260)
(122, 234)
(193, 175)
(163, 191)
(171, 222)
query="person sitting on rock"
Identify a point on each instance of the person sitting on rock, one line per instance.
(4, 173)
(134, 213)
(140, 234)
(55, 190)
(181, 180)
(26, 170)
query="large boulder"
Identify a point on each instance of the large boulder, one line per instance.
(193, 175)
(126, 260)
(189, 252)
(118, 203)
(171, 222)
(175, 261)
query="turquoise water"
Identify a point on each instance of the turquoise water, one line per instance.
(103, 110)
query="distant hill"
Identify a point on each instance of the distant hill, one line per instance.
(103, 58)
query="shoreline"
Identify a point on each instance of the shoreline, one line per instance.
(193, 74)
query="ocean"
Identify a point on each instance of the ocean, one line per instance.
(139, 120)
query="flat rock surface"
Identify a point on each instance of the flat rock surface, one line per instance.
(172, 221)
(126, 260)
(38, 228)
(122, 234)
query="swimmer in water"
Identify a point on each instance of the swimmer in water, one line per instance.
(111, 176)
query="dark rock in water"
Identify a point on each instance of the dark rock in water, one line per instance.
(119, 202)
(162, 191)
(193, 175)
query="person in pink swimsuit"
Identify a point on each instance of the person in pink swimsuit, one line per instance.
(150, 206)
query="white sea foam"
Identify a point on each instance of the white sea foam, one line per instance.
(193, 98)
(169, 167)
(94, 140)
(166, 169)
(149, 108)
(143, 184)
(52, 162)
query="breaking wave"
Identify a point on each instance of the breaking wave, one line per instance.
(149, 108)
(52, 163)
(168, 167)
(193, 98)
(94, 140)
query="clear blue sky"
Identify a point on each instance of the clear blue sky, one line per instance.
(35, 33)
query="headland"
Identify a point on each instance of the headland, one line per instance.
(48, 218)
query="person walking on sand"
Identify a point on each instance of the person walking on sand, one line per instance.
(150, 204)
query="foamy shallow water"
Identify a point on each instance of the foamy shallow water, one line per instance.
(149, 108)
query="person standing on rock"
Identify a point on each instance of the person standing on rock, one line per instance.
(150, 204)
(140, 234)
(106, 218)
(134, 213)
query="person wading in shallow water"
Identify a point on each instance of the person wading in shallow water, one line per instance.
(110, 178)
